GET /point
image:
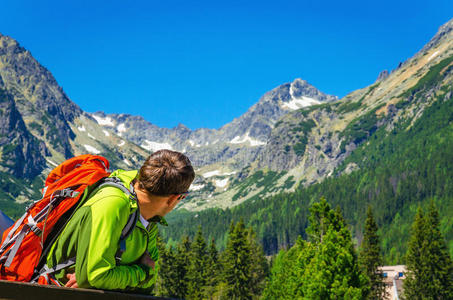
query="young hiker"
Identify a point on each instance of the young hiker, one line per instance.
(93, 234)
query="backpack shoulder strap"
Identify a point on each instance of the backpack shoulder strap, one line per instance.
(133, 218)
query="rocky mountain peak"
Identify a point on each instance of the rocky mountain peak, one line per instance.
(37, 94)
(383, 75)
(18, 68)
(183, 127)
(301, 88)
(445, 32)
(8, 43)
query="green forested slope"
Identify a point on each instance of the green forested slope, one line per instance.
(402, 165)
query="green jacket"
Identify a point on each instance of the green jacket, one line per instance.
(92, 236)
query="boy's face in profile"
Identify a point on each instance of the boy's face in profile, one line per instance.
(151, 205)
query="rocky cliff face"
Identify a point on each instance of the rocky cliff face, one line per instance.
(40, 126)
(294, 136)
(37, 95)
(21, 153)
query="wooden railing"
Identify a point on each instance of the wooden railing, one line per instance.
(27, 291)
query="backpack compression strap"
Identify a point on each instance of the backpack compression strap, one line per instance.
(31, 225)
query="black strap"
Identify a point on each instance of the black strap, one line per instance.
(133, 218)
(127, 230)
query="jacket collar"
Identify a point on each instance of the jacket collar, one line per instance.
(158, 219)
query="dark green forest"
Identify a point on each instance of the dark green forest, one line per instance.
(325, 265)
(399, 169)
(195, 270)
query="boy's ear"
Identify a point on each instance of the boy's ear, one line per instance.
(172, 199)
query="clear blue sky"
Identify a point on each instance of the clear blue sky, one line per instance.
(203, 63)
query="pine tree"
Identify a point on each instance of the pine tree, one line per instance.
(236, 262)
(321, 218)
(429, 272)
(168, 278)
(371, 259)
(285, 274)
(326, 267)
(414, 284)
(259, 265)
(197, 270)
(440, 282)
(212, 271)
(181, 264)
(333, 271)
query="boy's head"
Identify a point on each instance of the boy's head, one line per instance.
(165, 173)
(163, 178)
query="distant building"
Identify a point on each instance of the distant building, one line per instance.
(393, 278)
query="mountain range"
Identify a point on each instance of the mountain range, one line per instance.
(49, 128)
(386, 146)
(224, 155)
(292, 142)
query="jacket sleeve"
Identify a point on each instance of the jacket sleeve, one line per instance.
(147, 285)
(153, 252)
(97, 245)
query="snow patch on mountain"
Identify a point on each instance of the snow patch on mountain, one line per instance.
(210, 174)
(154, 146)
(246, 138)
(229, 173)
(433, 55)
(106, 132)
(121, 128)
(81, 129)
(121, 144)
(90, 136)
(221, 183)
(91, 149)
(217, 173)
(193, 144)
(127, 162)
(52, 163)
(298, 102)
(196, 187)
(107, 121)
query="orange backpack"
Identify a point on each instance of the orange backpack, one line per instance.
(28, 239)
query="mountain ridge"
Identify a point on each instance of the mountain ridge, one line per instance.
(311, 143)
(294, 135)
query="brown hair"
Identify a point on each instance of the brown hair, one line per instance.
(166, 172)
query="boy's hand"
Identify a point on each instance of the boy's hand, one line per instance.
(72, 283)
(146, 260)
